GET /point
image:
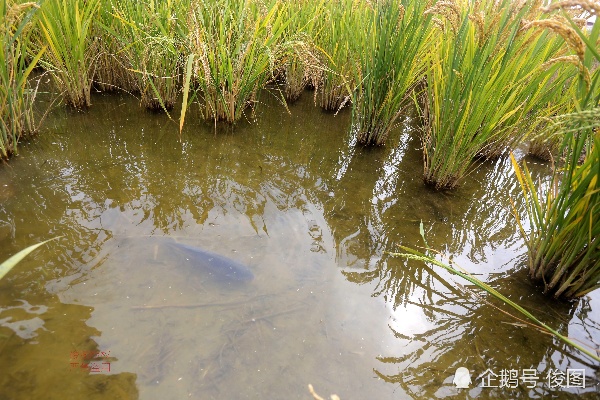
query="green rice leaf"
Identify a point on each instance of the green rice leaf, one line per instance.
(7, 265)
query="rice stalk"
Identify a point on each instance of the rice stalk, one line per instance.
(237, 47)
(486, 87)
(392, 59)
(303, 63)
(341, 20)
(113, 70)
(66, 27)
(16, 94)
(544, 86)
(151, 35)
(563, 243)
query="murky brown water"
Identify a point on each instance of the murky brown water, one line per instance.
(110, 312)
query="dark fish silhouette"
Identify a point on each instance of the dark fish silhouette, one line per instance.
(218, 266)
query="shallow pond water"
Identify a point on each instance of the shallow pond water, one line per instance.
(110, 311)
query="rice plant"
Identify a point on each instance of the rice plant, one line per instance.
(563, 240)
(16, 95)
(9, 264)
(113, 69)
(151, 36)
(303, 63)
(333, 84)
(391, 61)
(543, 89)
(66, 28)
(487, 76)
(237, 46)
(547, 144)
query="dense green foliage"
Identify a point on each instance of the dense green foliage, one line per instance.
(392, 58)
(16, 95)
(564, 216)
(65, 27)
(488, 84)
(237, 47)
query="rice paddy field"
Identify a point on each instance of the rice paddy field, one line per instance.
(250, 197)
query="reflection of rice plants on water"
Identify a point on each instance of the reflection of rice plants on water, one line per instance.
(532, 319)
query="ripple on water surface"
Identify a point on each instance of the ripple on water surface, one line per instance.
(115, 310)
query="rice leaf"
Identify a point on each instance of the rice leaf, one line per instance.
(9, 264)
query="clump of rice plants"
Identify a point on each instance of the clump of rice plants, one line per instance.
(542, 90)
(237, 46)
(302, 63)
(66, 28)
(563, 242)
(333, 85)
(151, 34)
(113, 70)
(16, 95)
(391, 61)
(545, 144)
(488, 74)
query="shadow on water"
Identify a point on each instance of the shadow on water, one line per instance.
(290, 201)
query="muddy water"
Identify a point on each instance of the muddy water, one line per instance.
(108, 311)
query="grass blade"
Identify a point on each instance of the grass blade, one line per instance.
(7, 265)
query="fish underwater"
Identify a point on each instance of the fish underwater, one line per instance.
(215, 265)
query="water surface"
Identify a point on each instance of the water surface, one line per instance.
(312, 216)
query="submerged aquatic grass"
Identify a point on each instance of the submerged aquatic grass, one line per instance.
(16, 94)
(66, 28)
